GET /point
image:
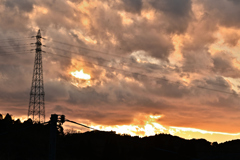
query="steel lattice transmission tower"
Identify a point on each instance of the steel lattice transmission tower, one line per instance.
(36, 108)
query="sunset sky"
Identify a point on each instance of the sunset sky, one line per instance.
(139, 67)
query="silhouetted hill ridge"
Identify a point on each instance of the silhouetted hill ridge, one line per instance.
(28, 140)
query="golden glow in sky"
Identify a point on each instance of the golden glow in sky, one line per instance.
(151, 127)
(81, 75)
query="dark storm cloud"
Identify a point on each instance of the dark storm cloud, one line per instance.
(87, 96)
(218, 81)
(14, 15)
(178, 14)
(133, 6)
(227, 103)
(22, 6)
(235, 1)
(103, 21)
(56, 91)
(225, 11)
(173, 7)
(217, 85)
(223, 65)
(197, 57)
(162, 86)
(104, 107)
(62, 109)
(105, 24)
(12, 76)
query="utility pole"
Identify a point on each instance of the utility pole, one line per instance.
(53, 134)
(36, 108)
(53, 137)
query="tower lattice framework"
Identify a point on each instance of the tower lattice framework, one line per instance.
(36, 108)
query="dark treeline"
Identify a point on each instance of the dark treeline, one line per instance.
(30, 141)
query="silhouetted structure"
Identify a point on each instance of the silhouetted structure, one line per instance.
(36, 102)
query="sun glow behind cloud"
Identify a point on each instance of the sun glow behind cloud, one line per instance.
(81, 75)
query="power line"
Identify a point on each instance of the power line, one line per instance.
(82, 125)
(121, 70)
(217, 84)
(163, 79)
(13, 39)
(101, 52)
(97, 58)
(26, 44)
(91, 49)
(153, 77)
(14, 53)
(14, 49)
(10, 41)
(87, 49)
(21, 50)
(218, 90)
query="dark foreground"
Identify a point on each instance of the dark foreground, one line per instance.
(28, 141)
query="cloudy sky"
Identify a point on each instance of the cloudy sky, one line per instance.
(156, 66)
